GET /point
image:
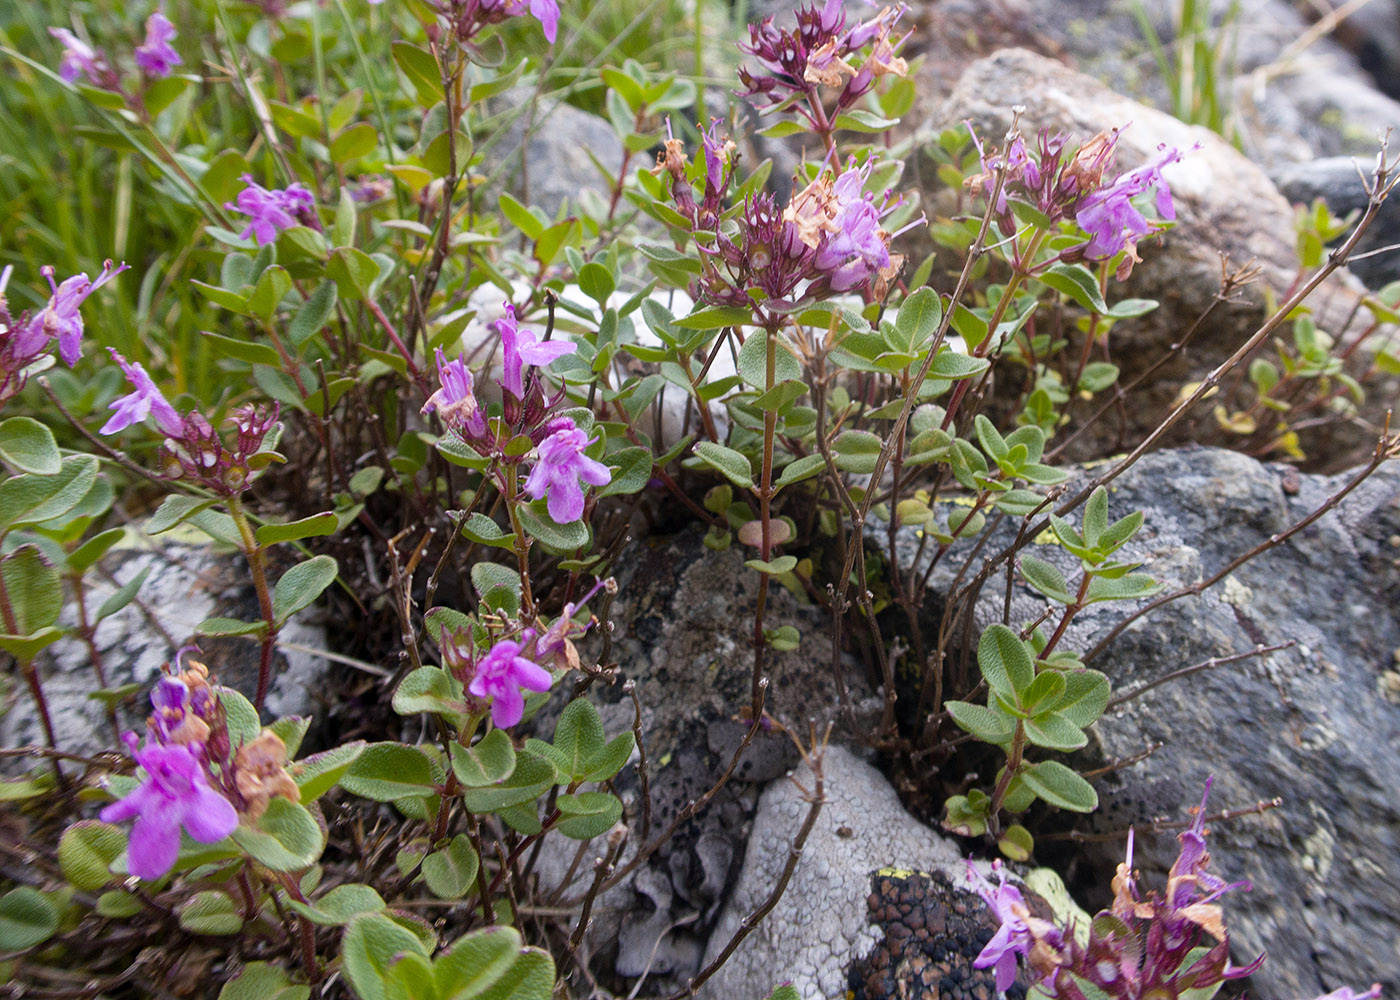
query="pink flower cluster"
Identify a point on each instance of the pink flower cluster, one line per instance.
(272, 210)
(193, 449)
(155, 57)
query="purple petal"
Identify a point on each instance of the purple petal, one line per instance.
(154, 843)
(210, 817)
(507, 708)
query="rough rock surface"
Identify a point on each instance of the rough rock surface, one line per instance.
(1225, 205)
(1315, 725)
(679, 620)
(822, 922)
(557, 163)
(1288, 101)
(186, 584)
(1336, 180)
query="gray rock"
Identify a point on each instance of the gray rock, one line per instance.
(1287, 101)
(187, 583)
(1225, 205)
(1312, 725)
(679, 623)
(556, 165)
(821, 923)
(1337, 180)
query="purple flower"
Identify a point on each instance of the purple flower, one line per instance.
(145, 401)
(521, 349)
(79, 58)
(1109, 216)
(500, 675)
(156, 57)
(455, 403)
(271, 211)
(561, 465)
(1347, 993)
(856, 250)
(175, 794)
(545, 11)
(1013, 937)
(61, 317)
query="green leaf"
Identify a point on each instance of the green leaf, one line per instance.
(535, 519)
(308, 527)
(451, 872)
(340, 906)
(1043, 693)
(285, 838)
(530, 977)
(532, 777)
(27, 918)
(356, 141)
(229, 626)
(1059, 786)
(29, 446)
(988, 724)
(803, 468)
(611, 759)
(1131, 308)
(858, 451)
(386, 772)
(34, 589)
(774, 567)
(173, 510)
(1126, 588)
(433, 690)
(25, 647)
(1085, 698)
(371, 945)
(30, 499)
(578, 738)
(318, 774)
(992, 442)
(353, 272)
(422, 71)
(301, 585)
(480, 528)
(86, 851)
(83, 557)
(521, 217)
(597, 282)
(123, 595)
(311, 318)
(497, 586)
(1076, 281)
(917, 320)
(489, 762)
(210, 912)
(242, 350)
(1054, 732)
(1095, 517)
(951, 365)
(731, 463)
(475, 962)
(588, 814)
(1006, 663)
(1046, 579)
(1118, 533)
(778, 398)
(633, 472)
(1016, 843)
(272, 285)
(714, 318)
(263, 981)
(753, 361)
